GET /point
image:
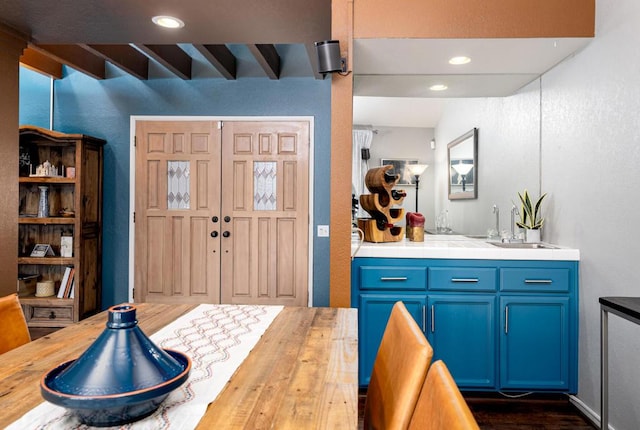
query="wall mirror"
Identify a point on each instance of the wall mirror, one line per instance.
(462, 157)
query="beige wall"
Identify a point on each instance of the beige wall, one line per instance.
(473, 18)
(11, 47)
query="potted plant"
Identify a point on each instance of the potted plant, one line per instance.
(530, 218)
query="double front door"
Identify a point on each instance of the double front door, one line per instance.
(221, 212)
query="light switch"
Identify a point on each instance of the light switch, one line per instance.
(323, 231)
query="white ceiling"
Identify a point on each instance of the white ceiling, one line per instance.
(392, 76)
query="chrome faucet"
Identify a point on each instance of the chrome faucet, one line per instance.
(514, 212)
(496, 211)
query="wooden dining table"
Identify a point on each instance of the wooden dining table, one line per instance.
(302, 373)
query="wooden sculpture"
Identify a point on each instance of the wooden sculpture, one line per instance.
(382, 205)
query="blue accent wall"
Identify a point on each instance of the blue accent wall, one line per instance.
(102, 108)
(35, 90)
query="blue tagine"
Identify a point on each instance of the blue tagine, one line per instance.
(122, 377)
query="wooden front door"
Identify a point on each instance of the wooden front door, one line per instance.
(177, 259)
(242, 236)
(265, 209)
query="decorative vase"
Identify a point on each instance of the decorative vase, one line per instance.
(532, 236)
(43, 203)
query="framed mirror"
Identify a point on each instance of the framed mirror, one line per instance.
(462, 158)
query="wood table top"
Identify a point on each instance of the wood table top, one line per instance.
(303, 373)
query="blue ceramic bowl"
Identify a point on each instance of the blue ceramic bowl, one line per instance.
(122, 377)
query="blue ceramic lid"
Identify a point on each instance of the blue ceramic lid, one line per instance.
(122, 359)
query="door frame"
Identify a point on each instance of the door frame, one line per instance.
(133, 119)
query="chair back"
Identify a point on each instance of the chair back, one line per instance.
(13, 327)
(398, 373)
(441, 405)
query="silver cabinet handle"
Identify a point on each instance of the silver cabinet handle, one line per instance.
(506, 320)
(464, 279)
(424, 318)
(433, 319)
(538, 281)
(391, 278)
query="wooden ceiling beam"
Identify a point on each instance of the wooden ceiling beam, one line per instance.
(41, 63)
(171, 57)
(74, 56)
(312, 54)
(268, 58)
(124, 57)
(220, 57)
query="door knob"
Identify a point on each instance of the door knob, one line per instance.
(226, 234)
(214, 233)
(214, 219)
(227, 218)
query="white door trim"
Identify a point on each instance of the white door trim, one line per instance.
(132, 179)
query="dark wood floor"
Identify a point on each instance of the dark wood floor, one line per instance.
(535, 412)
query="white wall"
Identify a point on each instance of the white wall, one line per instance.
(508, 156)
(590, 166)
(409, 143)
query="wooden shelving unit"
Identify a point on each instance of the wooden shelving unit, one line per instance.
(75, 209)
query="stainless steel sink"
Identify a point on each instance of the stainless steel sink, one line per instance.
(521, 245)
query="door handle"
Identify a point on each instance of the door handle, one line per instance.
(214, 219)
(214, 233)
(226, 234)
(227, 218)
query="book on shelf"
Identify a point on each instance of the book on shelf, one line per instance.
(70, 282)
(63, 283)
(73, 289)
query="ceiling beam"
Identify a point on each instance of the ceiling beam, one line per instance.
(171, 57)
(74, 56)
(312, 54)
(268, 58)
(41, 63)
(220, 57)
(124, 57)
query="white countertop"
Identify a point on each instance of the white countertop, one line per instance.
(462, 247)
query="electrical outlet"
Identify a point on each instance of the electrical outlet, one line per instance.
(323, 231)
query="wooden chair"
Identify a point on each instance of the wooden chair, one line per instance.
(398, 373)
(13, 327)
(441, 405)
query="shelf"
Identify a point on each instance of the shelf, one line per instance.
(49, 220)
(45, 180)
(51, 261)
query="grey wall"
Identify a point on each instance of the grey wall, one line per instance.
(409, 143)
(585, 126)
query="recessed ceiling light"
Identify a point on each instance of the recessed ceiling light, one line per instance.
(167, 21)
(456, 61)
(438, 87)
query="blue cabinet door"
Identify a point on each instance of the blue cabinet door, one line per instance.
(535, 343)
(373, 314)
(462, 332)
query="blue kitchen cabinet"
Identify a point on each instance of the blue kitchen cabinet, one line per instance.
(462, 333)
(373, 313)
(534, 344)
(500, 325)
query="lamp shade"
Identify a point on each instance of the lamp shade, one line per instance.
(462, 169)
(417, 169)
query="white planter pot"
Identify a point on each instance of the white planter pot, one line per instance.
(532, 236)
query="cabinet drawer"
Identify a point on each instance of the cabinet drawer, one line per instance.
(48, 314)
(462, 278)
(535, 279)
(391, 277)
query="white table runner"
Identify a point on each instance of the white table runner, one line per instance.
(217, 338)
